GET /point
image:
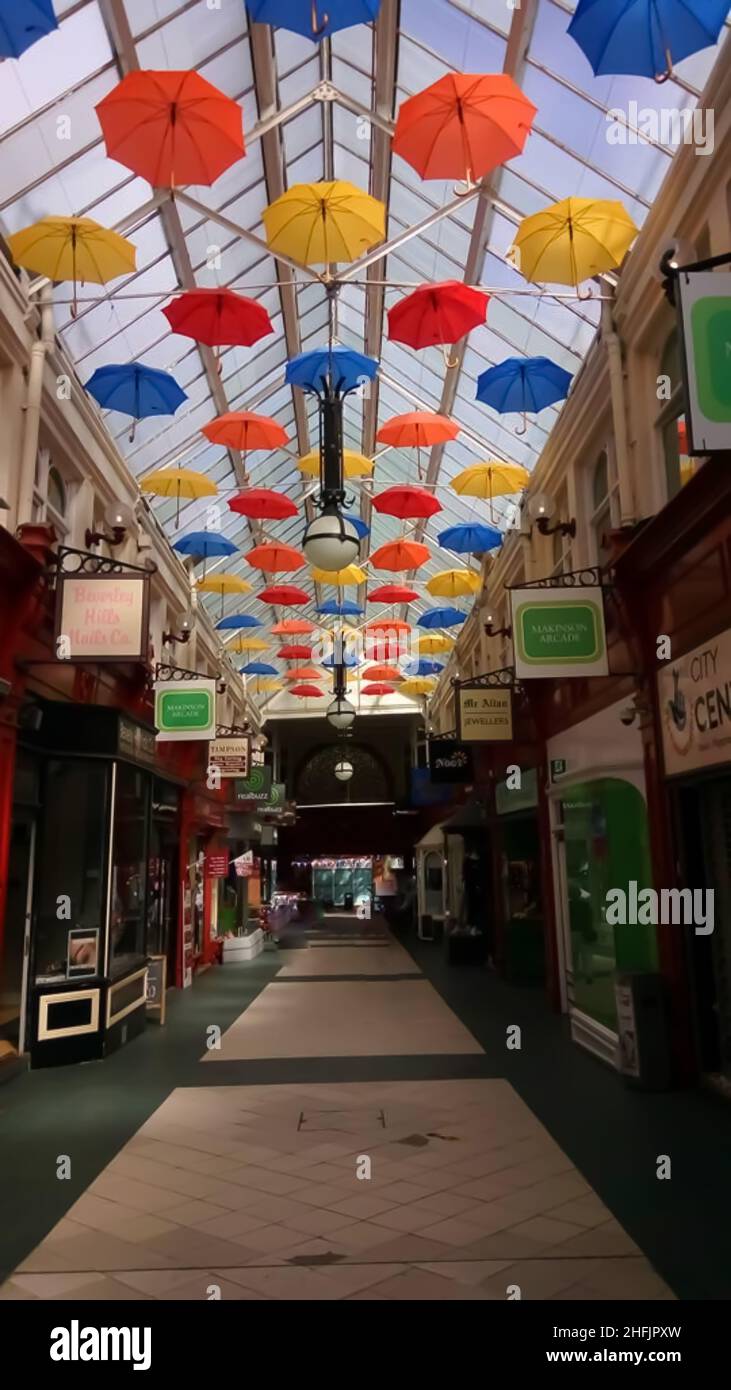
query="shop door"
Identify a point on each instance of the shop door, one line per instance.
(14, 964)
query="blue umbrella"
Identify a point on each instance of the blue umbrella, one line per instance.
(135, 390)
(204, 544)
(346, 609)
(645, 37)
(22, 23)
(234, 620)
(441, 617)
(521, 384)
(314, 19)
(341, 368)
(348, 660)
(258, 668)
(358, 524)
(424, 668)
(473, 538)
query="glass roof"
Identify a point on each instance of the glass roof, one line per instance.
(53, 161)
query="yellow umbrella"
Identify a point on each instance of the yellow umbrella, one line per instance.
(453, 583)
(430, 646)
(248, 644)
(322, 223)
(266, 685)
(342, 579)
(490, 479)
(355, 465)
(224, 584)
(417, 685)
(177, 483)
(573, 240)
(73, 248)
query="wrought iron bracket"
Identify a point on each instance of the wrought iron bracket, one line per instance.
(502, 679)
(70, 561)
(592, 576)
(164, 671)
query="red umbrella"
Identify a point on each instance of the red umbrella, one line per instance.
(219, 318)
(382, 673)
(307, 692)
(407, 502)
(387, 625)
(304, 673)
(400, 555)
(274, 557)
(297, 652)
(437, 315)
(263, 504)
(393, 593)
(378, 690)
(418, 429)
(292, 627)
(171, 128)
(284, 596)
(463, 126)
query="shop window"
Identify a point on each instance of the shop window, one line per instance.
(670, 421)
(129, 869)
(50, 495)
(604, 505)
(70, 891)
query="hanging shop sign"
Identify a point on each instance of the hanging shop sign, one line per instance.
(102, 617)
(695, 707)
(185, 709)
(511, 797)
(256, 787)
(217, 864)
(450, 761)
(559, 632)
(231, 756)
(705, 323)
(484, 715)
(246, 865)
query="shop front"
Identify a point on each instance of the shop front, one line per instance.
(96, 827)
(520, 895)
(601, 843)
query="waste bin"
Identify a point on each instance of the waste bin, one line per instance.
(644, 1034)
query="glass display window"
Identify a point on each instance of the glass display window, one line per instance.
(71, 884)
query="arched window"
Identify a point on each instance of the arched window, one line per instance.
(50, 495)
(604, 505)
(679, 467)
(56, 495)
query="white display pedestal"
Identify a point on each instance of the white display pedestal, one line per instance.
(240, 948)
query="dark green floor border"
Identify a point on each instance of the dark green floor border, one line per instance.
(90, 1112)
(613, 1134)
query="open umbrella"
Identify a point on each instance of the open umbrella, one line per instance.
(135, 390)
(470, 538)
(437, 315)
(23, 24)
(274, 557)
(304, 673)
(171, 128)
(490, 479)
(262, 504)
(73, 248)
(393, 593)
(407, 502)
(177, 483)
(307, 692)
(359, 525)
(258, 668)
(219, 318)
(417, 686)
(330, 369)
(453, 583)
(236, 620)
(266, 686)
(645, 37)
(313, 19)
(243, 430)
(322, 223)
(424, 668)
(293, 627)
(348, 660)
(296, 651)
(347, 578)
(382, 673)
(463, 126)
(378, 689)
(520, 384)
(387, 625)
(223, 584)
(573, 240)
(354, 465)
(284, 596)
(203, 545)
(400, 555)
(347, 609)
(441, 617)
(432, 646)
(418, 429)
(248, 644)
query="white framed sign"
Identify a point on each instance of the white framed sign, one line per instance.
(232, 756)
(185, 709)
(694, 694)
(484, 714)
(704, 302)
(102, 617)
(559, 632)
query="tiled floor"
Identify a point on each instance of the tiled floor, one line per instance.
(379, 1190)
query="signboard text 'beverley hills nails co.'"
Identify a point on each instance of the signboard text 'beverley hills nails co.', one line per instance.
(102, 617)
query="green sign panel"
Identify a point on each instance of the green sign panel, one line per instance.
(256, 787)
(558, 768)
(185, 709)
(705, 313)
(559, 632)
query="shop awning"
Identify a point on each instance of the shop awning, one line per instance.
(434, 839)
